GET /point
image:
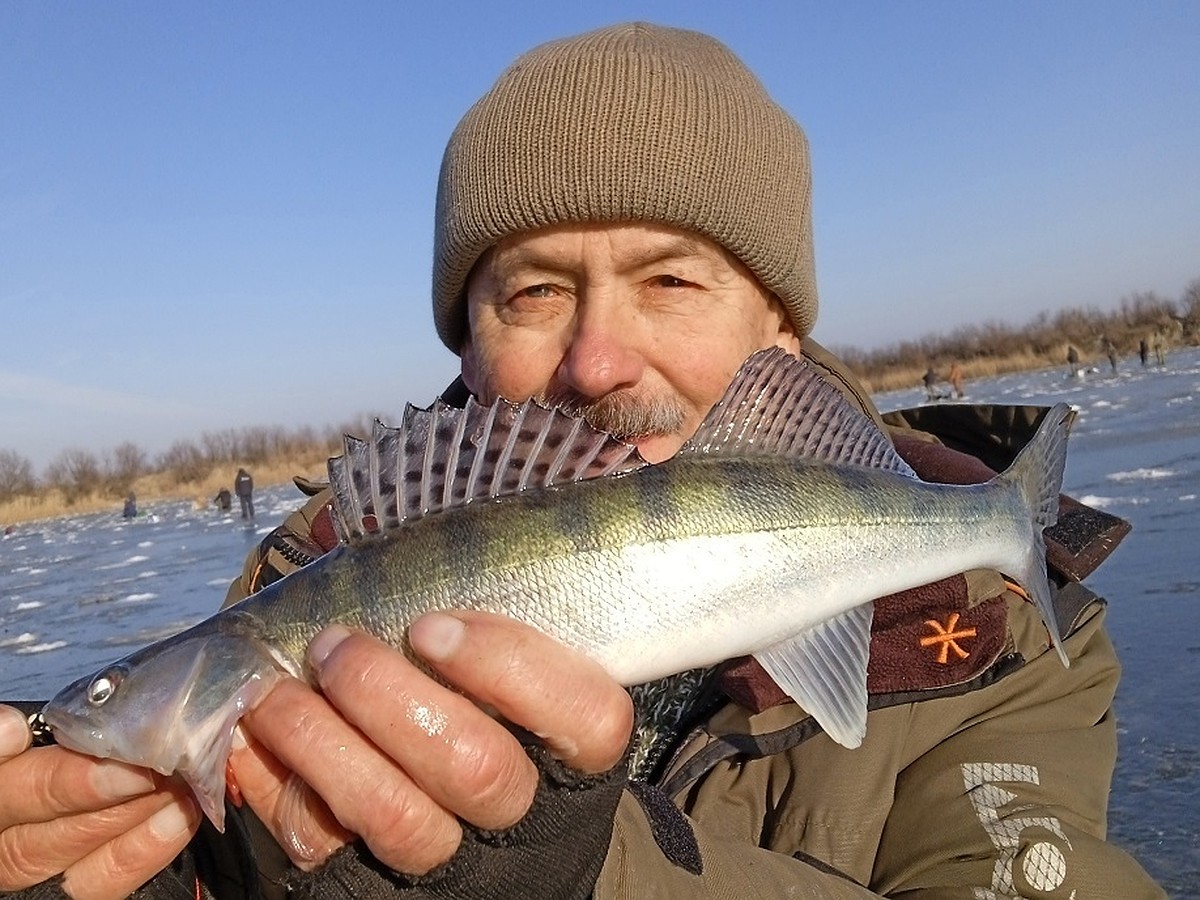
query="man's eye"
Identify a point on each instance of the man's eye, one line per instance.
(536, 290)
(671, 281)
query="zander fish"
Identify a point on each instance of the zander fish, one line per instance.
(770, 533)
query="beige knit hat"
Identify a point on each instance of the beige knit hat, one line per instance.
(635, 122)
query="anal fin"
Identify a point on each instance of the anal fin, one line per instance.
(824, 669)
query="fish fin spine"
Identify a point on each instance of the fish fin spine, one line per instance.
(444, 457)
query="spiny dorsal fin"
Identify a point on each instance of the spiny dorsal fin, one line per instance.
(779, 405)
(443, 457)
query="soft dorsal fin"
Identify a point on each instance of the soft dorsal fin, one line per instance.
(442, 457)
(779, 405)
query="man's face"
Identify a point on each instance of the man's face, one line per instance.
(639, 327)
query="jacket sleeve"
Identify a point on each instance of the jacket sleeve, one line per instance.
(658, 851)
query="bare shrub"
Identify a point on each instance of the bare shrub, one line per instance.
(1145, 309)
(1189, 313)
(221, 446)
(76, 473)
(16, 476)
(185, 462)
(257, 443)
(127, 463)
(299, 441)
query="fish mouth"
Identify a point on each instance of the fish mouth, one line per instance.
(60, 726)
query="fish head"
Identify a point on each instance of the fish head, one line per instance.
(170, 707)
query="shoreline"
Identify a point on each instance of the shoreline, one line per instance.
(49, 506)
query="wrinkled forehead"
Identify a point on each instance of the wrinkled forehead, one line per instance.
(626, 245)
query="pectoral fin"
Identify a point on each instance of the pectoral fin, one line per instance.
(824, 670)
(209, 741)
(205, 772)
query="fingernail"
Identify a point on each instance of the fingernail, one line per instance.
(118, 781)
(239, 738)
(172, 821)
(436, 636)
(14, 732)
(325, 642)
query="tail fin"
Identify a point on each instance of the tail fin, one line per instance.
(1037, 473)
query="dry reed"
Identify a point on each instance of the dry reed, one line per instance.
(161, 487)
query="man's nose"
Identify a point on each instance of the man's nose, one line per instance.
(602, 357)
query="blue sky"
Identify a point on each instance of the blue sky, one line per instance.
(217, 214)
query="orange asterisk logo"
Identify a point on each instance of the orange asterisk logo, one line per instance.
(946, 638)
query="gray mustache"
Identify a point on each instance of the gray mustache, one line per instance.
(622, 415)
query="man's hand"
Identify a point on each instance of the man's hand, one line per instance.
(105, 826)
(389, 754)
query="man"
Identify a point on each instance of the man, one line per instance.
(621, 220)
(930, 380)
(243, 486)
(956, 379)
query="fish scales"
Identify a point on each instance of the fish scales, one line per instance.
(516, 549)
(788, 517)
(748, 516)
(765, 536)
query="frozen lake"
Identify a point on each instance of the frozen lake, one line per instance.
(76, 593)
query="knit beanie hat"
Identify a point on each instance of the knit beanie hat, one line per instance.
(635, 122)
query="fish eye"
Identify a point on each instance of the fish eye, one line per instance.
(103, 686)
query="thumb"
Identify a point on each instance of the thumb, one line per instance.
(15, 736)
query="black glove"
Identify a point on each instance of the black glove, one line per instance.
(554, 853)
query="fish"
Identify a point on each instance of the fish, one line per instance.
(770, 533)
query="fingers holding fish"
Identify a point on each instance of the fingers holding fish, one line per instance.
(15, 735)
(47, 782)
(566, 699)
(368, 793)
(302, 822)
(398, 758)
(153, 839)
(103, 853)
(459, 755)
